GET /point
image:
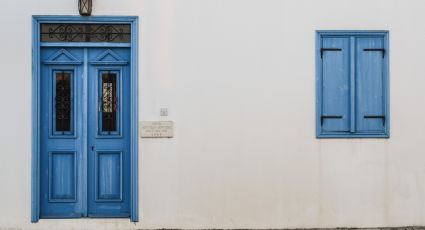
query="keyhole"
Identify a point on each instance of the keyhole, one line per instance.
(92, 148)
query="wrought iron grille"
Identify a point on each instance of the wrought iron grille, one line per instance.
(63, 101)
(109, 102)
(85, 33)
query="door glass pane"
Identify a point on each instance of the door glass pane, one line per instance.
(109, 101)
(63, 101)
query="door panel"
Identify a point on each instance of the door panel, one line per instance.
(109, 132)
(108, 172)
(61, 131)
(62, 177)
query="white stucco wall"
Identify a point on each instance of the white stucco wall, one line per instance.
(238, 78)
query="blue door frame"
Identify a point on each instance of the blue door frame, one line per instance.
(36, 68)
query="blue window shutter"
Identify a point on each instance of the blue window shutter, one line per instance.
(335, 111)
(370, 94)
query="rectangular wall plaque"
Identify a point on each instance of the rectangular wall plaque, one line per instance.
(156, 129)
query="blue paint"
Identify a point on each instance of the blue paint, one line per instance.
(95, 141)
(109, 57)
(63, 180)
(84, 171)
(109, 151)
(62, 57)
(336, 85)
(352, 84)
(35, 140)
(109, 166)
(75, 58)
(55, 161)
(370, 85)
(134, 140)
(85, 44)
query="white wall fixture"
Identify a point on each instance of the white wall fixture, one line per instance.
(163, 112)
(156, 129)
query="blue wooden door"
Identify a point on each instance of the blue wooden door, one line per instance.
(85, 118)
(108, 132)
(61, 133)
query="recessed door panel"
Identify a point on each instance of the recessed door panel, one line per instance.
(62, 177)
(108, 176)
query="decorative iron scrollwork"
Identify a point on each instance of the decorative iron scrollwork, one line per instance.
(85, 33)
(63, 101)
(109, 102)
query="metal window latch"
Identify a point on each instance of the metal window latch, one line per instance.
(376, 49)
(328, 117)
(376, 117)
(328, 49)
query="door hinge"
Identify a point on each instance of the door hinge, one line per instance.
(328, 49)
(328, 117)
(376, 49)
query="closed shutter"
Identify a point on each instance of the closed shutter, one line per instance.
(370, 110)
(335, 111)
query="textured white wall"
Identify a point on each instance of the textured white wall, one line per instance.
(238, 77)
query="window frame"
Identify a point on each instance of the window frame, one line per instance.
(352, 33)
(53, 133)
(110, 134)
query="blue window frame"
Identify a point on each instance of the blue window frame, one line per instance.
(63, 119)
(109, 97)
(352, 84)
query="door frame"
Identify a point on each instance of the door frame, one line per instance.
(134, 88)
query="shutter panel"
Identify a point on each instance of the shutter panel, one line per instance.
(335, 55)
(370, 110)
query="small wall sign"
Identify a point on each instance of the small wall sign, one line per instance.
(156, 129)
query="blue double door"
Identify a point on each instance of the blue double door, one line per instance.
(85, 128)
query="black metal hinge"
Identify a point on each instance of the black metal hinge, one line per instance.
(376, 117)
(376, 49)
(329, 117)
(328, 49)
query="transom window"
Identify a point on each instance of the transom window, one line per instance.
(59, 32)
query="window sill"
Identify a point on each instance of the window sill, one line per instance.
(352, 135)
